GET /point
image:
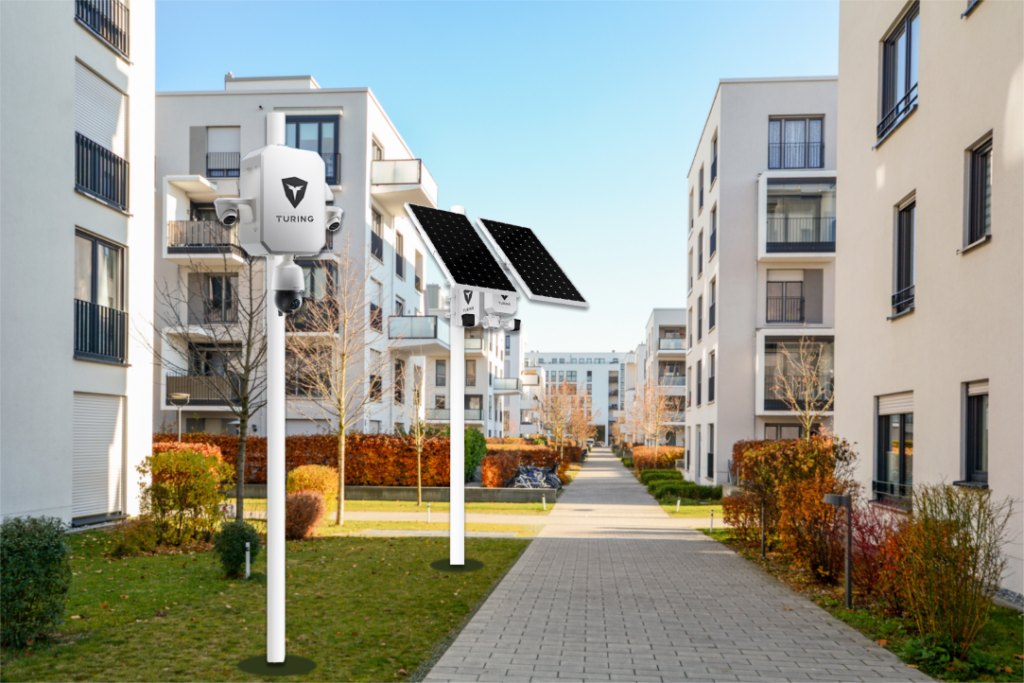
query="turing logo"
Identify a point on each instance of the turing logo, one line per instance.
(468, 295)
(294, 190)
(504, 297)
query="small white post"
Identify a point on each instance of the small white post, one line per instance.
(678, 503)
(712, 521)
(544, 500)
(247, 559)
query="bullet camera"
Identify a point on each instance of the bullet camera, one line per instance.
(511, 324)
(231, 210)
(334, 216)
(288, 286)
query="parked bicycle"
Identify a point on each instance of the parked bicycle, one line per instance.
(532, 477)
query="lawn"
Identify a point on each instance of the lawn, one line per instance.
(354, 526)
(1000, 643)
(362, 608)
(695, 509)
(260, 504)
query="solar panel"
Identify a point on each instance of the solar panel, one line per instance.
(532, 266)
(460, 252)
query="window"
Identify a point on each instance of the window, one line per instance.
(689, 270)
(691, 210)
(782, 358)
(399, 381)
(399, 306)
(801, 215)
(711, 304)
(699, 368)
(223, 151)
(700, 316)
(215, 300)
(470, 373)
(376, 381)
(440, 372)
(317, 134)
(711, 377)
(101, 326)
(796, 143)
(508, 343)
(377, 237)
(375, 427)
(698, 450)
(700, 254)
(980, 216)
(977, 433)
(378, 151)
(689, 326)
(903, 298)
(714, 159)
(700, 203)
(713, 245)
(399, 255)
(590, 375)
(775, 432)
(419, 272)
(899, 72)
(785, 302)
(895, 467)
(710, 474)
(670, 373)
(376, 312)
(440, 402)
(101, 113)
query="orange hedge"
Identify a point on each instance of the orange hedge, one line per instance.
(502, 460)
(645, 459)
(370, 459)
(174, 447)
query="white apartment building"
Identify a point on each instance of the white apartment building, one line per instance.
(761, 260)
(488, 388)
(371, 171)
(665, 363)
(77, 260)
(634, 379)
(930, 280)
(598, 375)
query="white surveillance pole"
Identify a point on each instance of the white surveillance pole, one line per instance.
(457, 441)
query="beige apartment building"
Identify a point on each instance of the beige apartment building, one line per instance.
(929, 285)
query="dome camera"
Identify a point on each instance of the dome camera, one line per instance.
(288, 286)
(334, 216)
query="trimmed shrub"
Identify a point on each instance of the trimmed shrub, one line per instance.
(672, 489)
(184, 494)
(36, 578)
(497, 468)
(540, 441)
(314, 478)
(647, 476)
(645, 458)
(230, 546)
(135, 536)
(208, 449)
(476, 451)
(303, 512)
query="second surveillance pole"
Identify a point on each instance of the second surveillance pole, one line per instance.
(457, 441)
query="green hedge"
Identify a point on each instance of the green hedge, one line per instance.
(647, 476)
(36, 578)
(671, 489)
(476, 451)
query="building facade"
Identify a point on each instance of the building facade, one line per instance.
(597, 375)
(665, 367)
(761, 262)
(371, 172)
(76, 391)
(930, 274)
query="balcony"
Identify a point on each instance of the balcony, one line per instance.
(787, 234)
(774, 398)
(531, 380)
(101, 333)
(796, 155)
(205, 241)
(475, 345)
(675, 417)
(785, 309)
(107, 20)
(393, 183)
(100, 174)
(672, 381)
(223, 164)
(507, 385)
(203, 390)
(210, 313)
(419, 335)
(445, 415)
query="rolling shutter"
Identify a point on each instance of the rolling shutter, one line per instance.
(896, 404)
(977, 388)
(98, 455)
(101, 111)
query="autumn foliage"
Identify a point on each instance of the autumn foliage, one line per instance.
(314, 478)
(644, 457)
(303, 512)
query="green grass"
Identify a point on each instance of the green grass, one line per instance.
(694, 509)
(260, 504)
(362, 609)
(356, 525)
(1000, 642)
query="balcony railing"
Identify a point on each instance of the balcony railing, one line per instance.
(531, 380)
(227, 312)
(507, 384)
(785, 309)
(101, 332)
(404, 172)
(100, 173)
(474, 344)
(903, 300)
(202, 237)
(898, 112)
(332, 167)
(445, 415)
(791, 234)
(672, 381)
(108, 19)
(796, 155)
(213, 390)
(419, 327)
(223, 164)
(711, 317)
(898, 495)
(713, 243)
(672, 344)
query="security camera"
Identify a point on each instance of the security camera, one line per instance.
(491, 321)
(468, 320)
(231, 210)
(334, 216)
(288, 286)
(510, 324)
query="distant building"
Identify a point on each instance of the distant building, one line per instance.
(597, 375)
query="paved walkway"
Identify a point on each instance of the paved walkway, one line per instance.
(613, 589)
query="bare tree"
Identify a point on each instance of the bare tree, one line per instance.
(213, 342)
(650, 410)
(805, 381)
(421, 434)
(555, 407)
(337, 349)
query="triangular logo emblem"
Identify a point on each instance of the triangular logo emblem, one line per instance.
(294, 190)
(504, 297)
(468, 294)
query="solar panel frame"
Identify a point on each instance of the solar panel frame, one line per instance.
(409, 209)
(510, 266)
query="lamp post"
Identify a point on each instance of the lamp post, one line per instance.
(839, 501)
(180, 401)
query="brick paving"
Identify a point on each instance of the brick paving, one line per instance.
(613, 589)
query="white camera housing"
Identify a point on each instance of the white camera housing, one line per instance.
(499, 304)
(335, 215)
(289, 284)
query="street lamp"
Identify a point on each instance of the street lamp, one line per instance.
(179, 400)
(839, 501)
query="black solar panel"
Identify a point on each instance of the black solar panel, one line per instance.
(462, 252)
(535, 266)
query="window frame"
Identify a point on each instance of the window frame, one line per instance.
(400, 256)
(331, 179)
(781, 164)
(979, 203)
(976, 438)
(884, 423)
(377, 230)
(892, 111)
(96, 242)
(904, 258)
(440, 372)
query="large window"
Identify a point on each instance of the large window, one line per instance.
(399, 381)
(101, 325)
(785, 302)
(774, 432)
(376, 372)
(317, 134)
(895, 467)
(440, 372)
(377, 236)
(980, 215)
(899, 72)
(795, 143)
(809, 374)
(903, 297)
(801, 215)
(470, 373)
(399, 255)
(977, 435)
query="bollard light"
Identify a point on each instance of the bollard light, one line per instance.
(247, 559)
(544, 500)
(712, 520)
(679, 502)
(836, 500)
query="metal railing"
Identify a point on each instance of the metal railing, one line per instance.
(792, 233)
(903, 300)
(675, 416)
(419, 327)
(445, 414)
(332, 167)
(404, 172)
(898, 112)
(474, 344)
(101, 332)
(785, 309)
(892, 493)
(671, 344)
(108, 19)
(223, 164)
(796, 155)
(507, 384)
(100, 173)
(202, 237)
(227, 312)
(203, 390)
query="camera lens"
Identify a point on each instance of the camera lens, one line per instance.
(296, 303)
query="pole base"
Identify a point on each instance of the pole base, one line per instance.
(292, 666)
(446, 566)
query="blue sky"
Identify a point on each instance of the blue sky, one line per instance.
(578, 120)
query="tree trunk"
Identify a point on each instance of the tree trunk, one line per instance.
(243, 439)
(419, 473)
(340, 516)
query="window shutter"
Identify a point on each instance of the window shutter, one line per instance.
(101, 111)
(977, 388)
(97, 456)
(896, 404)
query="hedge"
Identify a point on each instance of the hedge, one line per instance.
(36, 576)
(684, 489)
(647, 476)
(645, 459)
(501, 462)
(572, 453)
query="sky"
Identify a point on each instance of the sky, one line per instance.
(576, 119)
